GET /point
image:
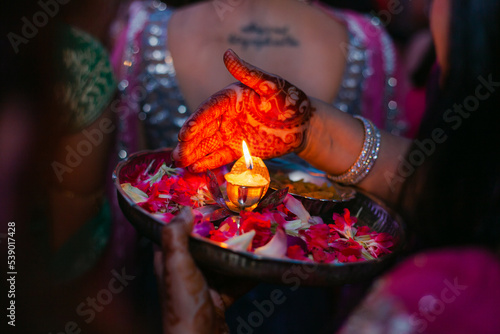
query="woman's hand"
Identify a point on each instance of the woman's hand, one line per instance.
(189, 303)
(266, 111)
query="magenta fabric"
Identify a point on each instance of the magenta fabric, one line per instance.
(383, 64)
(124, 246)
(414, 106)
(126, 107)
(449, 291)
(373, 102)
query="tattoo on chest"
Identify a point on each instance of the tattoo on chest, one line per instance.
(257, 36)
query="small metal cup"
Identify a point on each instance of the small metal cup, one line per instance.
(244, 197)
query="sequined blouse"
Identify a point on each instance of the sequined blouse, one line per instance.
(367, 86)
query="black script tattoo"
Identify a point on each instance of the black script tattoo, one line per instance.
(254, 35)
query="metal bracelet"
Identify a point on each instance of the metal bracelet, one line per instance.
(369, 154)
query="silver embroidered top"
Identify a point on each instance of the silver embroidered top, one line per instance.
(163, 109)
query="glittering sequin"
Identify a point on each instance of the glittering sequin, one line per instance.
(164, 106)
(359, 69)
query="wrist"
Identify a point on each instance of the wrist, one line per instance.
(366, 159)
(313, 133)
(333, 139)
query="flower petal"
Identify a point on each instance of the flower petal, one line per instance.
(165, 217)
(297, 253)
(276, 247)
(137, 195)
(241, 242)
(295, 206)
(203, 228)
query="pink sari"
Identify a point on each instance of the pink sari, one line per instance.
(372, 65)
(445, 291)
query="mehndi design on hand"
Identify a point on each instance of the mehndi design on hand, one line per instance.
(188, 304)
(266, 111)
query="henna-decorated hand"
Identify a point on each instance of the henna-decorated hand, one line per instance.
(266, 111)
(189, 303)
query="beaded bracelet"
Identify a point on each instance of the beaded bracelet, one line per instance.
(369, 154)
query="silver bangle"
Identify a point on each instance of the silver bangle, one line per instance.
(369, 154)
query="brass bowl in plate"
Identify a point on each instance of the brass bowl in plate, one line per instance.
(295, 172)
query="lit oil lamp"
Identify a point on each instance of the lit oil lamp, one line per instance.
(247, 182)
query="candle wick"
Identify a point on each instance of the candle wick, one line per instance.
(251, 165)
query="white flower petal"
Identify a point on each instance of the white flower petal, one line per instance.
(241, 242)
(276, 247)
(137, 195)
(296, 207)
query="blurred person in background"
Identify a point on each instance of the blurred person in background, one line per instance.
(57, 131)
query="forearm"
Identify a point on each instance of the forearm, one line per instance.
(334, 142)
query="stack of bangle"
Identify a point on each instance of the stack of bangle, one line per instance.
(360, 169)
